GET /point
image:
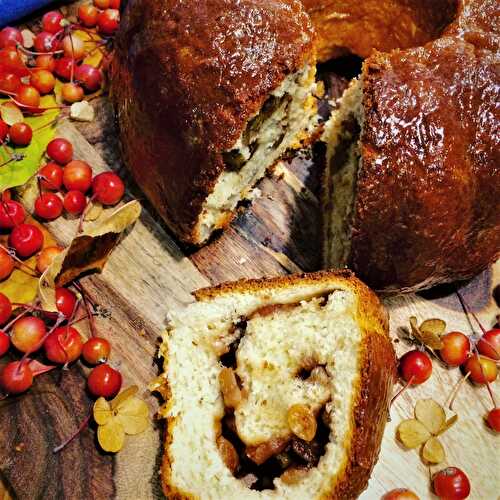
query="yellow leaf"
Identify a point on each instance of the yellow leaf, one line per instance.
(412, 433)
(102, 411)
(449, 423)
(88, 251)
(123, 396)
(133, 413)
(21, 286)
(10, 113)
(433, 451)
(111, 436)
(431, 414)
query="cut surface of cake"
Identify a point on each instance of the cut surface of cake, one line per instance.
(276, 388)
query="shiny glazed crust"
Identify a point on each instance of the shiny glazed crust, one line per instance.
(185, 80)
(344, 26)
(428, 186)
(372, 393)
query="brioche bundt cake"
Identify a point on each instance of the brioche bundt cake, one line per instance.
(276, 388)
(208, 95)
(413, 164)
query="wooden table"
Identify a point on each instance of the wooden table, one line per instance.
(149, 274)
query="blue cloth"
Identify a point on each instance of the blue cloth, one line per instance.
(13, 10)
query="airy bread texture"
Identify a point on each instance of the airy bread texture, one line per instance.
(330, 317)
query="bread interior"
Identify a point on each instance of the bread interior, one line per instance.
(287, 114)
(319, 323)
(342, 135)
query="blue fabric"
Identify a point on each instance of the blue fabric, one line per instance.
(13, 10)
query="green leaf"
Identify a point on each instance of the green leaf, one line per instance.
(16, 173)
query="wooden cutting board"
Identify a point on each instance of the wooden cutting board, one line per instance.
(150, 274)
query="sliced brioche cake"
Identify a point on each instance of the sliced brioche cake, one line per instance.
(276, 388)
(209, 94)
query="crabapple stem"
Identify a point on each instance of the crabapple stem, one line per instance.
(32, 53)
(467, 311)
(82, 426)
(27, 269)
(60, 319)
(19, 316)
(402, 390)
(455, 390)
(84, 213)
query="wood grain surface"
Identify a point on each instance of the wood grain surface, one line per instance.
(149, 274)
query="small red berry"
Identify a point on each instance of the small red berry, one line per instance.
(16, 377)
(27, 333)
(481, 369)
(11, 62)
(26, 239)
(10, 37)
(46, 61)
(77, 176)
(48, 206)
(65, 301)
(20, 134)
(6, 264)
(102, 4)
(4, 130)
(415, 366)
(456, 347)
(74, 202)
(12, 214)
(104, 381)
(9, 83)
(400, 494)
(45, 257)
(73, 47)
(89, 77)
(108, 21)
(451, 484)
(114, 4)
(4, 343)
(493, 419)
(51, 21)
(60, 150)
(63, 67)
(63, 345)
(71, 92)
(489, 344)
(46, 42)
(88, 15)
(5, 309)
(43, 80)
(108, 188)
(29, 97)
(51, 176)
(96, 350)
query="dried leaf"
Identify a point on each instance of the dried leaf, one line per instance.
(449, 423)
(133, 414)
(431, 414)
(102, 411)
(10, 113)
(111, 436)
(123, 396)
(94, 212)
(88, 251)
(435, 325)
(18, 172)
(82, 111)
(412, 433)
(433, 451)
(20, 286)
(426, 337)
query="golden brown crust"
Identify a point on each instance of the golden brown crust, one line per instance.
(186, 78)
(377, 363)
(428, 187)
(345, 26)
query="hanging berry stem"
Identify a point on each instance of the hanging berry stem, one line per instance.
(81, 427)
(455, 390)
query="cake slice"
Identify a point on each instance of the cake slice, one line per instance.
(276, 388)
(209, 94)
